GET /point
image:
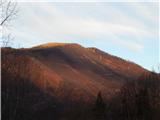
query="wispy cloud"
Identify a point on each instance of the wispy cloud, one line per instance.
(54, 21)
(126, 29)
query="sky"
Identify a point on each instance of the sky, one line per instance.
(129, 30)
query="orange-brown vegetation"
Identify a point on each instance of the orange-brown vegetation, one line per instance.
(60, 79)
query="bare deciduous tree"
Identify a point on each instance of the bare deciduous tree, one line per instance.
(8, 12)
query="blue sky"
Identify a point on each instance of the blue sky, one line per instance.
(126, 29)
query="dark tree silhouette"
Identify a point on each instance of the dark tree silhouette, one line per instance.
(139, 100)
(100, 108)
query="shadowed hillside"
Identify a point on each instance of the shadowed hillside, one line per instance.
(64, 80)
(70, 69)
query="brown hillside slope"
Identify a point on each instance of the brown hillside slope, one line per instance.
(70, 71)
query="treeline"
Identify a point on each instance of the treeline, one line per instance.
(137, 100)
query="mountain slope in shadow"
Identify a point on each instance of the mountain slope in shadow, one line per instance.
(70, 72)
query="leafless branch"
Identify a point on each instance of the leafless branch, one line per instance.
(8, 13)
(6, 40)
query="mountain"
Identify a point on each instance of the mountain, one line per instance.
(70, 72)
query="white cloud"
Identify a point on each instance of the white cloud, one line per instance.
(51, 22)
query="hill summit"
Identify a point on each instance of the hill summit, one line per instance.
(54, 44)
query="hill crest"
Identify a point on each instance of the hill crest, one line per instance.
(54, 44)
